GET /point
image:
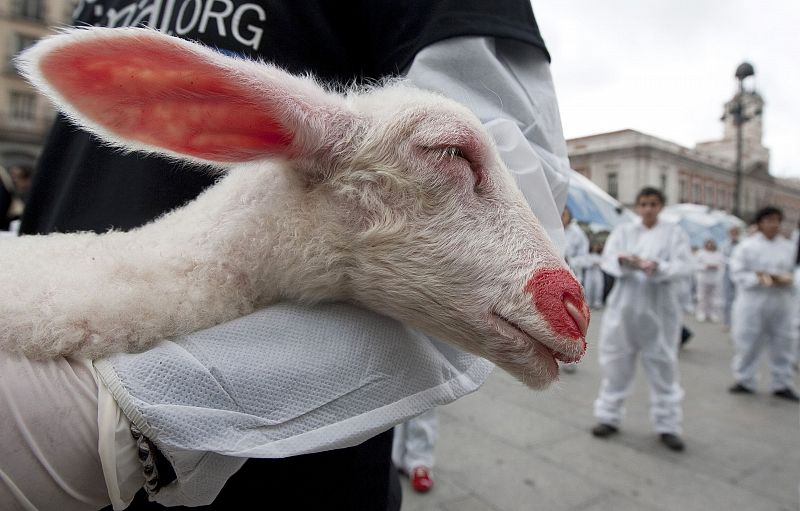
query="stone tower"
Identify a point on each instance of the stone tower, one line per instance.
(755, 156)
(752, 129)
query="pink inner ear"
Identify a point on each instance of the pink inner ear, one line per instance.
(157, 93)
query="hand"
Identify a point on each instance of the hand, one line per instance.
(765, 279)
(782, 279)
(648, 266)
(629, 260)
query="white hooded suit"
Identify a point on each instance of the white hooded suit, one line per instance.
(762, 316)
(643, 317)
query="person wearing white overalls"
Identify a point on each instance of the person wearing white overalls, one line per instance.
(643, 318)
(763, 311)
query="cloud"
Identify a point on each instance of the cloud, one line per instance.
(667, 68)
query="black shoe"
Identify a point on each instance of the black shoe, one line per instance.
(740, 389)
(603, 430)
(686, 334)
(672, 441)
(787, 394)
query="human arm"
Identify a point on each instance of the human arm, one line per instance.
(742, 272)
(580, 251)
(748, 273)
(508, 85)
(615, 259)
(678, 263)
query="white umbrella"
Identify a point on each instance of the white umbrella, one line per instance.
(590, 204)
(701, 222)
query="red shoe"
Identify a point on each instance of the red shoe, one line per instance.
(421, 479)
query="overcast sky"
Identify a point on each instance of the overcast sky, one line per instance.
(666, 67)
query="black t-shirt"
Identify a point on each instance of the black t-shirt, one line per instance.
(81, 185)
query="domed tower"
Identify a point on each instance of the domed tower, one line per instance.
(755, 157)
(752, 110)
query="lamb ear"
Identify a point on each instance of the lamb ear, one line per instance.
(142, 90)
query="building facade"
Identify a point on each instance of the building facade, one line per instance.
(25, 115)
(623, 162)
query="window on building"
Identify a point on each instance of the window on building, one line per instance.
(612, 184)
(683, 191)
(28, 8)
(709, 197)
(23, 105)
(23, 41)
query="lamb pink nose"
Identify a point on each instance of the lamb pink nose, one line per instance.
(559, 298)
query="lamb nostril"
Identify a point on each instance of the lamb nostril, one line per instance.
(551, 290)
(581, 321)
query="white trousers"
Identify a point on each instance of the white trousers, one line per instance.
(621, 344)
(593, 287)
(764, 319)
(708, 300)
(414, 442)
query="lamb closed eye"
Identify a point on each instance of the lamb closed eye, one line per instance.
(453, 152)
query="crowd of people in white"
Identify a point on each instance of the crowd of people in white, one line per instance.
(749, 284)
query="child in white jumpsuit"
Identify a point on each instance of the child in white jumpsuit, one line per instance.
(575, 250)
(763, 311)
(412, 449)
(576, 244)
(643, 317)
(593, 280)
(710, 264)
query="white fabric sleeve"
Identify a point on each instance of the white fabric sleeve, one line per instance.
(679, 264)
(508, 85)
(579, 260)
(742, 273)
(611, 251)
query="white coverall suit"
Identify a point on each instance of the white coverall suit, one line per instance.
(414, 441)
(643, 317)
(710, 267)
(576, 248)
(762, 316)
(593, 280)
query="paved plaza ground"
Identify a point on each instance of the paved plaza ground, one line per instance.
(506, 448)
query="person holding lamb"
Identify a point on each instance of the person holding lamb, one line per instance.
(247, 407)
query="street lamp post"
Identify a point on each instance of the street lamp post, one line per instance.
(739, 118)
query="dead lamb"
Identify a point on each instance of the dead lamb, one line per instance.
(391, 198)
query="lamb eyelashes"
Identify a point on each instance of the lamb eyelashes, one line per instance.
(452, 152)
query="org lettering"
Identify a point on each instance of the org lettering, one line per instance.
(221, 17)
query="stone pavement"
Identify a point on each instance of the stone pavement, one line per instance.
(506, 448)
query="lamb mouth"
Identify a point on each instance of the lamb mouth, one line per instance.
(509, 329)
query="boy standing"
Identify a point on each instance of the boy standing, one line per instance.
(643, 318)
